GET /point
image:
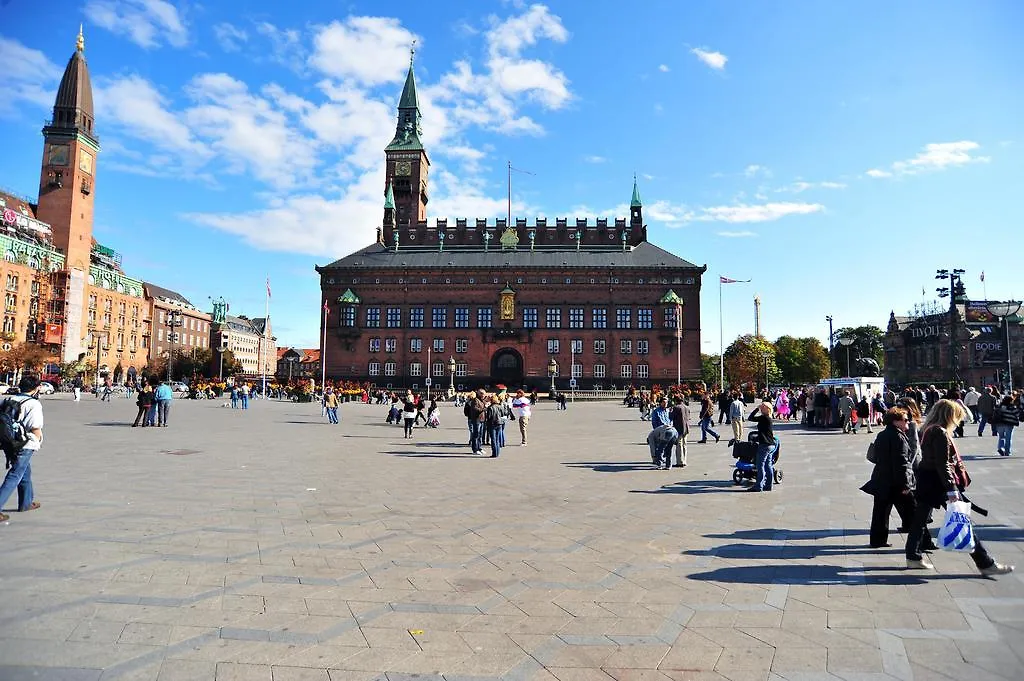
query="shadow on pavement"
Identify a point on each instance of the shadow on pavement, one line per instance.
(435, 455)
(609, 467)
(797, 552)
(821, 574)
(111, 424)
(692, 487)
(770, 533)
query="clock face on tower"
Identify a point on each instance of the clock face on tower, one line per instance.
(403, 168)
(85, 162)
(58, 155)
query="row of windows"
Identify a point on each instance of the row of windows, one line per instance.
(626, 346)
(188, 323)
(687, 281)
(461, 369)
(624, 317)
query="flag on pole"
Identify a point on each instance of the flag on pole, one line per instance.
(268, 287)
(727, 280)
(983, 276)
(679, 321)
(327, 310)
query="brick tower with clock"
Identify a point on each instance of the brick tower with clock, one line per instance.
(70, 149)
(406, 164)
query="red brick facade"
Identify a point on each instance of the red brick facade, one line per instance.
(502, 300)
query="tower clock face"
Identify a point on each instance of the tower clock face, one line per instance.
(403, 168)
(85, 162)
(58, 155)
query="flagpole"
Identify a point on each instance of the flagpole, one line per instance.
(263, 354)
(323, 350)
(721, 340)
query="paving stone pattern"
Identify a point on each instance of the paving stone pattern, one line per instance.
(268, 545)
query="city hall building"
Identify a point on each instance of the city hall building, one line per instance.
(482, 302)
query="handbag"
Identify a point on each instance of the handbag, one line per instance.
(957, 532)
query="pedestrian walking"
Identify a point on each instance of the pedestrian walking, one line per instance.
(767, 445)
(707, 412)
(163, 396)
(21, 435)
(144, 402)
(1006, 417)
(331, 406)
(680, 417)
(521, 409)
(942, 478)
(892, 481)
(409, 416)
(77, 385)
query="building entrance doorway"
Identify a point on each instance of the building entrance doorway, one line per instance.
(507, 367)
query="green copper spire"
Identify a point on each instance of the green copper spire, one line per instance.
(635, 203)
(408, 131)
(389, 198)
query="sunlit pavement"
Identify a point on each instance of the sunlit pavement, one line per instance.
(270, 545)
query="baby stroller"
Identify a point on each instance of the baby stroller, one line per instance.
(745, 454)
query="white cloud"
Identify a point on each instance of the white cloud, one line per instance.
(663, 68)
(715, 60)
(754, 170)
(736, 235)
(248, 131)
(133, 105)
(934, 157)
(593, 158)
(29, 76)
(146, 23)
(511, 36)
(767, 212)
(368, 50)
(230, 37)
(286, 46)
(801, 186)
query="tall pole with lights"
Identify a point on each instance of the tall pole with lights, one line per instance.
(831, 337)
(954, 290)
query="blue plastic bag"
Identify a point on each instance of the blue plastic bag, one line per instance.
(957, 532)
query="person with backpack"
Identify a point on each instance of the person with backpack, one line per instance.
(21, 434)
(496, 415)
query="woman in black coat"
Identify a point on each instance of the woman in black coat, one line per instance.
(892, 480)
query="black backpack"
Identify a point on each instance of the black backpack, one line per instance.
(13, 435)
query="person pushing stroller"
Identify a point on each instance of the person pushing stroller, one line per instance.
(767, 444)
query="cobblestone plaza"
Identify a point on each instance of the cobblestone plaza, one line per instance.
(271, 546)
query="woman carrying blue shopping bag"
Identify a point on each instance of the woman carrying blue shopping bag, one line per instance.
(941, 478)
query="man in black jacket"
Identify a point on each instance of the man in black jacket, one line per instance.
(767, 444)
(892, 480)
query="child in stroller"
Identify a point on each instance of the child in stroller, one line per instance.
(745, 454)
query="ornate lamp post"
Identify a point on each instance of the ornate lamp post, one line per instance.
(174, 320)
(451, 370)
(552, 372)
(831, 338)
(1004, 311)
(846, 342)
(954, 290)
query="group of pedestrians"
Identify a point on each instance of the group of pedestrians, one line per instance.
(918, 469)
(154, 403)
(487, 415)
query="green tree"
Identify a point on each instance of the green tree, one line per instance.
(867, 342)
(801, 360)
(709, 369)
(746, 359)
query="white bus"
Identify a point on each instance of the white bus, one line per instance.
(860, 386)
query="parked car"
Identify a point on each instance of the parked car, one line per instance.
(179, 387)
(4, 387)
(46, 388)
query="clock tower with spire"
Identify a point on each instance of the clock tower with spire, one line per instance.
(67, 182)
(406, 161)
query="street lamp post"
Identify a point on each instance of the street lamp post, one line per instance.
(955, 289)
(291, 363)
(846, 342)
(831, 337)
(174, 320)
(451, 370)
(98, 338)
(1004, 311)
(222, 348)
(428, 381)
(552, 371)
(572, 372)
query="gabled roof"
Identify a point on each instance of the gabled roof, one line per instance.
(310, 355)
(376, 257)
(154, 291)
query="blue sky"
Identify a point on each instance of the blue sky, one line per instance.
(836, 153)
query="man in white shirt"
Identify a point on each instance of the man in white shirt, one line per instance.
(20, 474)
(971, 400)
(521, 409)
